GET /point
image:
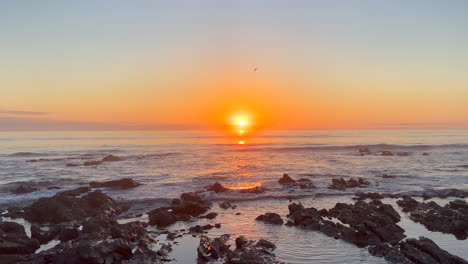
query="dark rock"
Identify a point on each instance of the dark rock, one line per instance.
(226, 205)
(63, 208)
(294, 208)
(92, 163)
(251, 252)
(24, 189)
(75, 192)
(450, 219)
(162, 217)
(68, 234)
(111, 158)
(265, 244)
(342, 184)
(387, 153)
(255, 190)
(286, 179)
(212, 249)
(217, 188)
(364, 151)
(74, 165)
(387, 176)
(44, 236)
(369, 195)
(212, 215)
(196, 229)
(125, 183)
(271, 218)
(426, 154)
(53, 188)
(13, 240)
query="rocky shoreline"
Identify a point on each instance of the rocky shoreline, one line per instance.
(83, 222)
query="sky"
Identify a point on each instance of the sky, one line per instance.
(303, 64)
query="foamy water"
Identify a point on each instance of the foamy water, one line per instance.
(169, 163)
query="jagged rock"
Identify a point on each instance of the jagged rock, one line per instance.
(342, 184)
(369, 195)
(256, 190)
(162, 217)
(63, 208)
(271, 218)
(227, 205)
(13, 240)
(75, 192)
(212, 249)
(286, 179)
(125, 183)
(24, 189)
(68, 234)
(211, 215)
(44, 236)
(217, 188)
(111, 158)
(450, 219)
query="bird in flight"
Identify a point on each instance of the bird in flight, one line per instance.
(255, 69)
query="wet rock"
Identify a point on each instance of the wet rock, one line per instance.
(255, 190)
(426, 154)
(444, 193)
(74, 165)
(162, 217)
(294, 207)
(251, 252)
(387, 176)
(450, 219)
(44, 236)
(364, 151)
(387, 153)
(53, 188)
(369, 223)
(286, 179)
(212, 249)
(63, 208)
(24, 189)
(13, 240)
(125, 183)
(217, 188)
(342, 184)
(369, 195)
(227, 205)
(196, 229)
(212, 215)
(111, 158)
(271, 218)
(75, 192)
(68, 234)
(411, 251)
(92, 163)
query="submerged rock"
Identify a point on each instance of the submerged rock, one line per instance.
(303, 183)
(271, 218)
(217, 188)
(24, 189)
(286, 179)
(212, 249)
(13, 240)
(125, 183)
(342, 184)
(92, 163)
(257, 189)
(111, 158)
(368, 195)
(227, 205)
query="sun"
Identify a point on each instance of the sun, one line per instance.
(241, 122)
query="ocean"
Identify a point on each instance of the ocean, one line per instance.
(168, 163)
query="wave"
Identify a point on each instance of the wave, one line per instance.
(26, 154)
(374, 147)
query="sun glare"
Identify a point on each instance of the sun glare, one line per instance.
(241, 122)
(241, 142)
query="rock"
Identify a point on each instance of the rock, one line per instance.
(92, 163)
(68, 234)
(212, 215)
(13, 240)
(196, 229)
(364, 151)
(265, 244)
(295, 207)
(369, 223)
(342, 184)
(53, 188)
(422, 250)
(271, 218)
(111, 158)
(217, 188)
(369, 195)
(426, 154)
(74, 165)
(255, 190)
(162, 217)
(63, 208)
(124, 183)
(212, 249)
(387, 153)
(44, 236)
(226, 205)
(387, 176)
(192, 204)
(75, 192)
(286, 179)
(24, 189)
(450, 219)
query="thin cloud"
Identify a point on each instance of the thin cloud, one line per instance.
(19, 112)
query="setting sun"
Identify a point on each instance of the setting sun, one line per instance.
(241, 122)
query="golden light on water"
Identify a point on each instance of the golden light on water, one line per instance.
(245, 186)
(241, 142)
